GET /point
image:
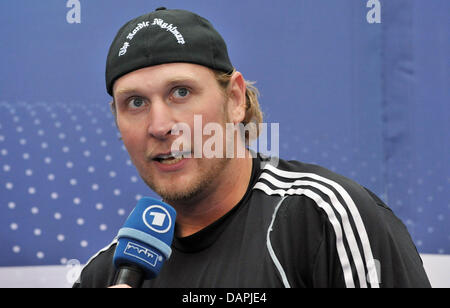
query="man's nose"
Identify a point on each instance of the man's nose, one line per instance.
(160, 120)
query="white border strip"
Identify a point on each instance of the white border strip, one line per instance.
(272, 252)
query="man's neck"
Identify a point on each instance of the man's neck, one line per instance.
(216, 202)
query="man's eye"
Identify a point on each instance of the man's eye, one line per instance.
(136, 102)
(181, 92)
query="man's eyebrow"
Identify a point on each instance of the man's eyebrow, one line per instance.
(125, 91)
(181, 80)
(170, 83)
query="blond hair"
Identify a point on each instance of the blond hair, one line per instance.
(253, 113)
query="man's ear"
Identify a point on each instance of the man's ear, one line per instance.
(237, 98)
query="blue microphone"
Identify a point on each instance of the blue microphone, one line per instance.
(144, 242)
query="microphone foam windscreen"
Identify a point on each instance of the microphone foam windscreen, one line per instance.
(146, 236)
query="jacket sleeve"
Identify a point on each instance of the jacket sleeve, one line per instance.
(374, 250)
(398, 261)
(99, 271)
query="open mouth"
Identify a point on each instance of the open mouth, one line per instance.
(172, 158)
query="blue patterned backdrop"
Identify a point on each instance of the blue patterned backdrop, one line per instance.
(367, 100)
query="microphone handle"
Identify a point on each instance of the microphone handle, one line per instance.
(129, 274)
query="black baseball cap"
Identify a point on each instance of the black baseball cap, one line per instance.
(165, 36)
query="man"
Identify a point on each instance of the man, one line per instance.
(242, 220)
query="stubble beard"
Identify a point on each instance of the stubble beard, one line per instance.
(198, 186)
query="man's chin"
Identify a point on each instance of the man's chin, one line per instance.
(187, 187)
(175, 192)
(177, 196)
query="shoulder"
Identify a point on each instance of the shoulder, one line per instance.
(325, 187)
(370, 245)
(331, 206)
(99, 271)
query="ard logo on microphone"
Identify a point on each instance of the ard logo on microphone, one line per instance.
(157, 219)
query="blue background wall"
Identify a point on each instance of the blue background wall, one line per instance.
(370, 101)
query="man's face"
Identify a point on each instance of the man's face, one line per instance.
(149, 102)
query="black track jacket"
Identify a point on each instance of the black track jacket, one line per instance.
(298, 225)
